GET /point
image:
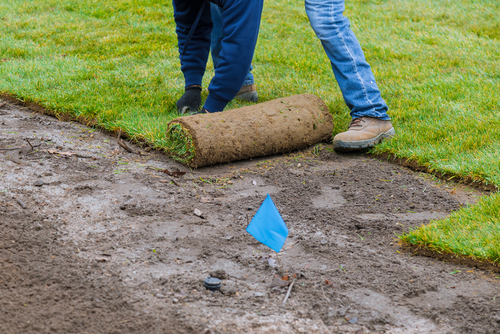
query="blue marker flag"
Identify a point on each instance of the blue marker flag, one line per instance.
(268, 227)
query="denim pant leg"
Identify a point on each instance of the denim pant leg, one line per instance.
(351, 70)
(216, 44)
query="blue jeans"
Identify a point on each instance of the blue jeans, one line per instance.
(351, 70)
(216, 43)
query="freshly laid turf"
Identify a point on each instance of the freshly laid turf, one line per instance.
(473, 232)
(437, 63)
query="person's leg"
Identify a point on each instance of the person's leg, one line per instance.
(353, 75)
(248, 91)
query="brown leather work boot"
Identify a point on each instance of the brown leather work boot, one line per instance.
(363, 133)
(248, 93)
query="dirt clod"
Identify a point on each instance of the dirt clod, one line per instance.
(220, 274)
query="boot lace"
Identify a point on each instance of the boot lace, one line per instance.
(357, 122)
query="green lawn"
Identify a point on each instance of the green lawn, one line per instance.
(437, 63)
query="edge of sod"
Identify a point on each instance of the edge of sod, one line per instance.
(424, 250)
(468, 236)
(414, 165)
(91, 122)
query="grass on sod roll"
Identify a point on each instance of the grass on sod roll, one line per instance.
(437, 63)
(181, 142)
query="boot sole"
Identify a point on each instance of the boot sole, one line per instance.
(250, 97)
(346, 146)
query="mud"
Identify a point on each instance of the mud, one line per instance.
(107, 243)
(273, 127)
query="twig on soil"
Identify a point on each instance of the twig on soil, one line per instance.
(69, 154)
(126, 147)
(172, 180)
(289, 290)
(10, 148)
(177, 174)
(32, 148)
(324, 295)
(21, 203)
(158, 326)
(291, 246)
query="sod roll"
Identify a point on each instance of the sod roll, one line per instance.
(273, 127)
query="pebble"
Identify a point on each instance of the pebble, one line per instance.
(175, 301)
(228, 289)
(21, 203)
(38, 183)
(159, 295)
(220, 274)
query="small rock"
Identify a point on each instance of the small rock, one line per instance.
(220, 274)
(38, 183)
(299, 165)
(250, 208)
(272, 263)
(254, 182)
(353, 320)
(228, 289)
(159, 295)
(259, 294)
(279, 283)
(343, 311)
(21, 203)
(175, 300)
(198, 213)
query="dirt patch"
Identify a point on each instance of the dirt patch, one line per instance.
(110, 243)
(452, 258)
(413, 165)
(269, 128)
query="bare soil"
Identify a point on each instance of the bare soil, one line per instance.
(105, 242)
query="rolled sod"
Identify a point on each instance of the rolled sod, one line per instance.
(269, 128)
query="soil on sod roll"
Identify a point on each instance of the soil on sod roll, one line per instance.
(273, 127)
(106, 243)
